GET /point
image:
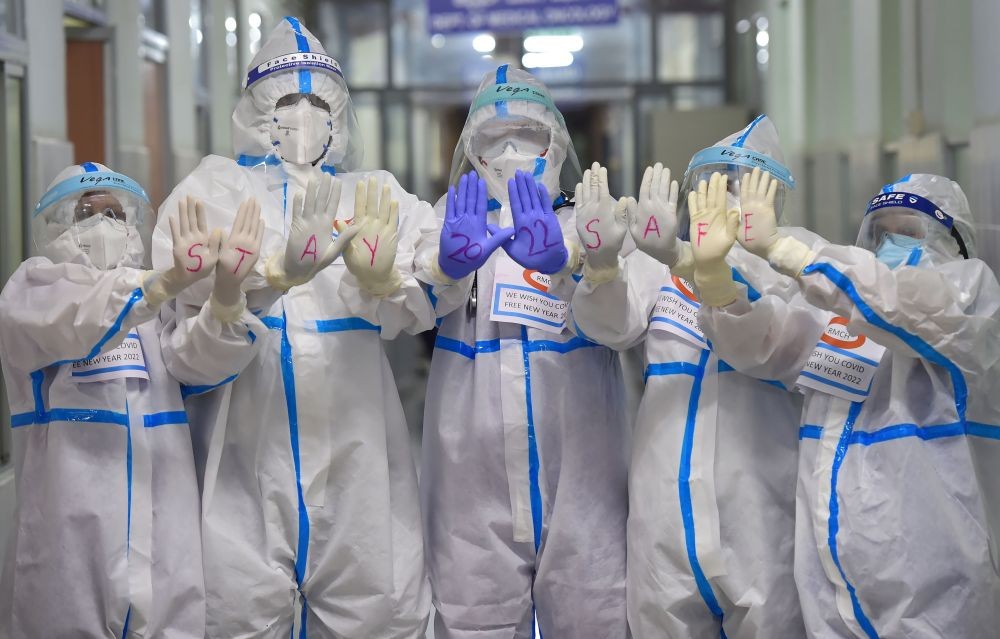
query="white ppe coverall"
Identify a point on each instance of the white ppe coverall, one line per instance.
(892, 529)
(523, 478)
(309, 494)
(106, 536)
(713, 466)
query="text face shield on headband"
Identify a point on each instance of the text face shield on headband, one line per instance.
(103, 215)
(736, 163)
(302, 94)
(903, 228)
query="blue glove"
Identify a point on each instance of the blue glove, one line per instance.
(465, 244)
(538, 244)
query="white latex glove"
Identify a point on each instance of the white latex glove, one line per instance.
(601, 224)
(758, 223)
(195, 252)
(713, 233)
(237, 257)
(653, 222)
(310, 246)
(371, 256)
(758, 231)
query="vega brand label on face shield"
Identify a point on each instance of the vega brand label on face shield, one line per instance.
(676, 312)
(126, 360)
(521, 296)
(842, 364)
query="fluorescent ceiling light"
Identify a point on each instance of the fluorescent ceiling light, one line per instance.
(545, 43)
(484, 43)
(548, 59)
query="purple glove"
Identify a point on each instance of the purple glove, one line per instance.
(538, 244)
(465, 244)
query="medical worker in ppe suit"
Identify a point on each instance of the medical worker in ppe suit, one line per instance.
(309, 494)
(892, 533)
(712, 478)
(523, 478)
(106, 538)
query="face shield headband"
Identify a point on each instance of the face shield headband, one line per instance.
(741, 157)
(90, 181)
(902, 199)
(498, 96)
(303, 61)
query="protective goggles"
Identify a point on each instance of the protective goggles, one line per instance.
(527, 136)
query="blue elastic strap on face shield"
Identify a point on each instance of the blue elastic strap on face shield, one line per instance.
(305, 79)
(741, 157)
(89, 181)
(501, 79)
(740, 141)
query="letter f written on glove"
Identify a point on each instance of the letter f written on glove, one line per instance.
(713, 233)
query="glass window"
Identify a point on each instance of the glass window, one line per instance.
(151, 16)
(421, 59)
(199, 53)
(370, 125)
(12, 195)
(356, 35)
(203, 128)
(233, 69)
(612, 53)
(695, 97)
(12, 210)
(691, 47)
(435, 129)
(10, 16)
(397, 143)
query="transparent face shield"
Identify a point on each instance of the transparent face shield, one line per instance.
(903, 227)
(737, 164)
(103, 216)
(315, 127)
(517, 120)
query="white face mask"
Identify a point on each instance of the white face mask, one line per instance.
(301, 133)
(502, 168)
(106, 243)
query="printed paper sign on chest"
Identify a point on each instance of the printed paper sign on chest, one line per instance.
(842, 364)
(521, 296)
(676, 312)
(125, 360)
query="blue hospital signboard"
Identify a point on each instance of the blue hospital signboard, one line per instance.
(456, 16)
